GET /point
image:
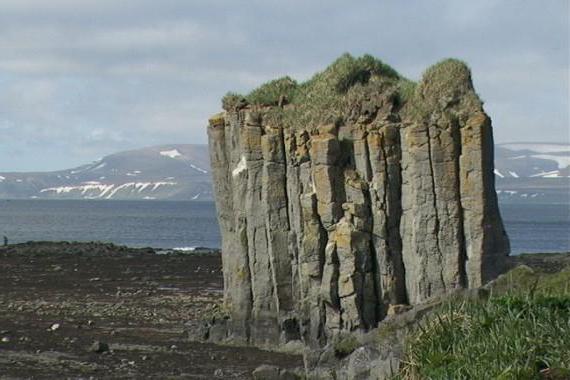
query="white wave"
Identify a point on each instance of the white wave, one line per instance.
(499, 173)
(514, 174)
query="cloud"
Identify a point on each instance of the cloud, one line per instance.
(78, 82)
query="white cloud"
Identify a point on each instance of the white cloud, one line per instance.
(84, 80)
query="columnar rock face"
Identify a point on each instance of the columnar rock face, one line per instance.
(333, 214)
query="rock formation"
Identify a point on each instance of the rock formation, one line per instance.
(344, 197)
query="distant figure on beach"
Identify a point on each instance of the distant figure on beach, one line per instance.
(5, 240)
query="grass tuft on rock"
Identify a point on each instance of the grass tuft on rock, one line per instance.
(324, 97)
(232, 101)
(271, 92)
(344, 345)
(521, 332)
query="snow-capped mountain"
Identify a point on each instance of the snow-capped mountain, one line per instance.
(526, 172)
(543, 160)
(159, 172)
(533, 171)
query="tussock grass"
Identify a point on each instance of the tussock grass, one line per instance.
(325, 97)
(521, 332)
(345, 344)
(269, 93)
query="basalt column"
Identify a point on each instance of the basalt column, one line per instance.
(328, 223)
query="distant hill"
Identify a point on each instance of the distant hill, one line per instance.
(523, 171)
(537, 172)
(176, 172)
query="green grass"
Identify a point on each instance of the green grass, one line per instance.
(325, 97)
(269, 93)
(521, 330)
(344, 345)
(232, 100)
(331, 95)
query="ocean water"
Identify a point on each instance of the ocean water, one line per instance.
(170, 224)
(157, 224)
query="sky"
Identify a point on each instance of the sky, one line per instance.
(80, 79)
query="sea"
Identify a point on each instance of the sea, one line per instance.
(185, 225)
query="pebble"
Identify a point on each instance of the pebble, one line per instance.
(99, 347)
(54, 327)
(5, 339)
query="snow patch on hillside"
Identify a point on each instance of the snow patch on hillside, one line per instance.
(562, 161)
(537, 147)
(100, 166)
(171, 153)
(499, 173)
(95, 189)
(199, 169)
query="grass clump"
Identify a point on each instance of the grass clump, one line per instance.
(270, 93)
(232, 101)
(324, 98)
(347, 71)
(521, 332)
(345, 344)
(522, 280)
(331, 95)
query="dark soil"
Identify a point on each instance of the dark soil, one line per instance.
(57, 299)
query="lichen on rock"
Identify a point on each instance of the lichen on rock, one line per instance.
(351, 194)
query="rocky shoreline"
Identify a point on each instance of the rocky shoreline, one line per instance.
(91, 310)
(379, 353)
